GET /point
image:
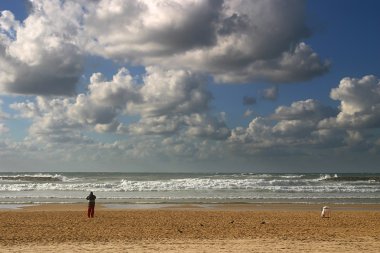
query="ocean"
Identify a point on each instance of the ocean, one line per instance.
(161, 188)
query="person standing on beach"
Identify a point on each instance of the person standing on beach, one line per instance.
(91, 205)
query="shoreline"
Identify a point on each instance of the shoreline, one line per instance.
(193, 206)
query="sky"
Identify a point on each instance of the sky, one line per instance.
(190, 85)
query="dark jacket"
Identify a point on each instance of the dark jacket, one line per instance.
(91, 199)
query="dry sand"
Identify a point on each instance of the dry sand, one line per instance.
(222, 228)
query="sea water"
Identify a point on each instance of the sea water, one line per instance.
(161, 188)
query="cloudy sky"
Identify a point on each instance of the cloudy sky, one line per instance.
(190, 85)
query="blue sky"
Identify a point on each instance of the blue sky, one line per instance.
(258, 86)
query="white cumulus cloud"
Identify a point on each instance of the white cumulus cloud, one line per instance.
(231, 40)
(234, 41)
(41, 55)
(359, 103)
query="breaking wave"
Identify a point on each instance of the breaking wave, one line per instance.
(37, 187)
(34, 178)
(196, 184)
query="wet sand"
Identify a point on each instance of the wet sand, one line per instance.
(191, 228)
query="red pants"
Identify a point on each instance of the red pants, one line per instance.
(91, 211)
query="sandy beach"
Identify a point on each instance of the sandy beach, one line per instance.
(191, 228)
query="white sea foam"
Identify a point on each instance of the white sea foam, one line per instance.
(326, 177)
(292, 176)
(39, 177)
(188, 186)
(195, 184)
